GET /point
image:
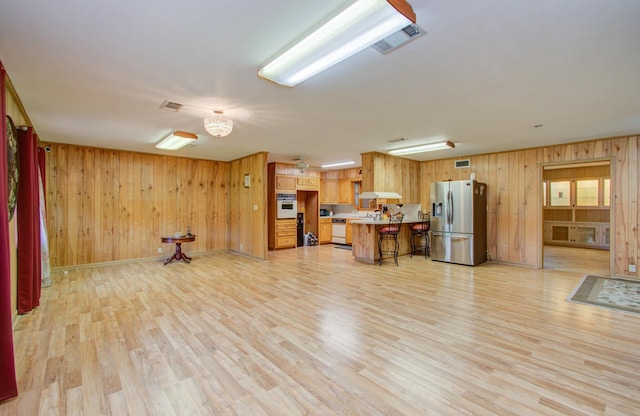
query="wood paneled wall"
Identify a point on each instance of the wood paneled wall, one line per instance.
(514, 182)
(385, 173)
(248, 206)
(107, 205)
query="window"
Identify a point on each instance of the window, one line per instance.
(587, 191)
(606, 189)
(560, 193)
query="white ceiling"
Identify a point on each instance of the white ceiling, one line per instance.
(96, 73)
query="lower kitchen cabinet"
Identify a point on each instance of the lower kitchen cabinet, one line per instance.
(577, 234)
(286, 233)
(325, 231)
(349, 233)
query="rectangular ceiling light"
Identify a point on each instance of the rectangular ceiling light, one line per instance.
(423, 148)
(176, 140)
(356, 28)
(333, 165)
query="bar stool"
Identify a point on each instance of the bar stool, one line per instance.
(420, 232)
(390, 233)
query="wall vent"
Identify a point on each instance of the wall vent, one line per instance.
(171, 106)
(463, 163)
(397, 39)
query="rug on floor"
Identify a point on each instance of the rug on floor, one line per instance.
(608, 292)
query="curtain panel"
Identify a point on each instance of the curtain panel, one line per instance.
(29, 252)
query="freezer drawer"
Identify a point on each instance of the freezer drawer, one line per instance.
(455, 248)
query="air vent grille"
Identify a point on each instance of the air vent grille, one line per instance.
(462, 163)
(397, 39)
(171, 106)
(399, 139)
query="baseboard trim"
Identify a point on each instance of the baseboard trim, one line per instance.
(128, 261)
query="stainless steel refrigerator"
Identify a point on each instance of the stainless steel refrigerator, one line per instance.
(459, 222)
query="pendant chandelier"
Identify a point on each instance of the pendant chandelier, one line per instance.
(218, 125)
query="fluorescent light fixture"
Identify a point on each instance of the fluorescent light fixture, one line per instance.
(176, 140)
(333, 165)
(422, 148)
(357, 27)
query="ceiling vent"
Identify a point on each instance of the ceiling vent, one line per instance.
(397, 39)
(171, 106)
(399, 139)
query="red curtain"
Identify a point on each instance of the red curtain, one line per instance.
(8, 385)
(28, 213)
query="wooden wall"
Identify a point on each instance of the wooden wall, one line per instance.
(248, 206)
(514, 182)
(108, 205)
(385, 173)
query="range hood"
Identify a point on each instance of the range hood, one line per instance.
(380, 195)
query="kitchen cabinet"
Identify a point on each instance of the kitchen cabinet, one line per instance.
(307, 183)
(349, 232)
(325, 231)
(345, 196)
(330, 191)
(285, 184)
(576, 234)
(286, 233)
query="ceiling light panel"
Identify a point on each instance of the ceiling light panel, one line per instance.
(176, 140)
(423, 148)
(356, 28)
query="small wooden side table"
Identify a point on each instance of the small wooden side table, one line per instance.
(178, 255)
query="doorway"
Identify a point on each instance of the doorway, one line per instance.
(577, 217)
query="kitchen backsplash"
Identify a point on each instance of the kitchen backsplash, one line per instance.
(409, 210)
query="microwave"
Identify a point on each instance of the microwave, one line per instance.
(287, 206)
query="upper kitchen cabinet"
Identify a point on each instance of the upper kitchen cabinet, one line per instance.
(330, 191)
(345, 193)
(306, 183)
(285, 184)
(337, 186)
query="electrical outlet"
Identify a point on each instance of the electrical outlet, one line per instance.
(159, 250)
(632, 268)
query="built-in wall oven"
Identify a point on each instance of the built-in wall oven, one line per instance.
(287, 206)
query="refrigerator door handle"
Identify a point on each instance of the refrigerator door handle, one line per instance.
(447, 213)
(449, 207)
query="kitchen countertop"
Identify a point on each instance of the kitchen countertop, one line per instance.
(369, 221)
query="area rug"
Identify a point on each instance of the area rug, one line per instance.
(608, 292)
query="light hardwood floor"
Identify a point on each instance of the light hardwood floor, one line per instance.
(310, 331)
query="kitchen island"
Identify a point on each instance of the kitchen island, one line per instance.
(365, 238)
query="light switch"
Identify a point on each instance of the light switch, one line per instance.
(255, 207)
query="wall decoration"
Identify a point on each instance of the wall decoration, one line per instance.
(12, 165)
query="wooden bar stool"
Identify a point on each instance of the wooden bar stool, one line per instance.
(389, 233)
(420, 233)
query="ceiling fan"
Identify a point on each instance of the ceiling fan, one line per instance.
(302, 164)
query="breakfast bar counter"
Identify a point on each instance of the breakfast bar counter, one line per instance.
(364, 245)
